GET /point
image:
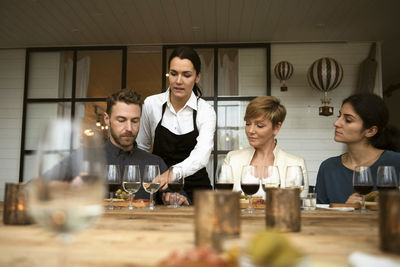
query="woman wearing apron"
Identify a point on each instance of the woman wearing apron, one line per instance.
(178, 124)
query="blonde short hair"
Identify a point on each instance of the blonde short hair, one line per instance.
(269, 106)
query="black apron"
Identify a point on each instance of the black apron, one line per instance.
(174, 148)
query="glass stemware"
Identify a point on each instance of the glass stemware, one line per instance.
(250, 183)
(131, 181)
(151, 182)
(386, 178)
(224, 177)
(295, 179)
(67, 196)
(175, 183)
(270, 177)
(113, 176)
(362, 182)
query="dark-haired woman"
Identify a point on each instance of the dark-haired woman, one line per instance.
(362, 125)
(178, 124)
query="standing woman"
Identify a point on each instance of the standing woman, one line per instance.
(179, 125)
(362, 125)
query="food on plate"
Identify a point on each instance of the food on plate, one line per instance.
(121, 194)
(137, 203)
(269, 248)
(197, 257)
(372, 197)
(257, 203)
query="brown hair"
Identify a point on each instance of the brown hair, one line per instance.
(186, 52)
(269, 106)
(128, 96)
(374, 112)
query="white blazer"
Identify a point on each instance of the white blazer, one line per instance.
(238, 158)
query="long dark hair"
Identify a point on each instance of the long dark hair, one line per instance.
(185, 52)
(373, 112)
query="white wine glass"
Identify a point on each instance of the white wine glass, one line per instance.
(386, 178)
(270, 177)
(224, 178)
(250, 184)
(113, 177)
(295, 178)
(175, 183)
(151, 182)
(362, 183)
(131, 181)
(67, 195)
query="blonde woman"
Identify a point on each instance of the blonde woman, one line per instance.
(264, 117)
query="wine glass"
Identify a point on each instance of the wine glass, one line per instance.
(270, 177)
(151, 182)
(113, 176)
(131, 181)
(67, 195)
(386, 178)
(250, 183)
(175, 183)
(362, 182)
(224, 177)
(295, 178)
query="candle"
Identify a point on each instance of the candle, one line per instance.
(14, 211)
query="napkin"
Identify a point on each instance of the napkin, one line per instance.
(326, 206)
(360, 259)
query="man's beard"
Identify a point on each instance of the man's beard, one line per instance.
(119, 140)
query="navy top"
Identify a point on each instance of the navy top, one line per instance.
(136, 156)
(335, 181)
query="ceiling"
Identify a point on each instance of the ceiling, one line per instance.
(48, 23)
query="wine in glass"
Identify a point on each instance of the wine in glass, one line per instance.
(131, 181)
(386, 178)
(67, 196)
(224, 177)
(113, 177)
(362, 182)
(295, 178)
(270, 177)
(151, 182)
(250, 183)
(175, 183)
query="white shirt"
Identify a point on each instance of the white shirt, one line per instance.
(180, 122)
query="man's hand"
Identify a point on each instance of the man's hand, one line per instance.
(168, 199)
(354, 198)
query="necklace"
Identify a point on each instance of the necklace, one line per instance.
(352, 165)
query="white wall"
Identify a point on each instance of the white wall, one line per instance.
(304, 132)
(252, 79)
(12, 70)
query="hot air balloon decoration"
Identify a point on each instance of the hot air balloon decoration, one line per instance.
(325, 74)
(283, 71)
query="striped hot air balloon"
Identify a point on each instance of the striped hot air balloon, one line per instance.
(325, 74)
(283, 71)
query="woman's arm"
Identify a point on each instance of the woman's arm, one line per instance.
(200, 155)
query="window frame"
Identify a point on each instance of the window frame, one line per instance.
(73, 99)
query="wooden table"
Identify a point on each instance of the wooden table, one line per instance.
(140, 237)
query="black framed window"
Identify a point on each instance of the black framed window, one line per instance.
(74, 82)
(66, 82)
